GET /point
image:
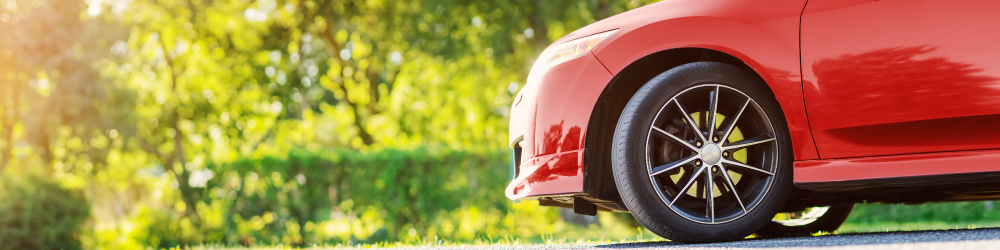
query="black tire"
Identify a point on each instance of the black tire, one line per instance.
(633, 173)
(828, 222)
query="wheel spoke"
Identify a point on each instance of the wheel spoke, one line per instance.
(687, 186)
(675, 138)
(690, 121)
(731, 186)
(709, 196)
(748, 167)
(749, 142)
(671, 166)
(712, 108)
(732, 123)
(699, 188)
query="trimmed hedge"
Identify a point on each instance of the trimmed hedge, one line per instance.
(309, 197)
(965, 212)
(37, 213)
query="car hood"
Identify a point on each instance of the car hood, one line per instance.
(669, 9)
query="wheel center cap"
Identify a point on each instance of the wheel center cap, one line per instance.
(711, 154)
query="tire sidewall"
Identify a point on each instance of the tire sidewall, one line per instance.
(628, 155)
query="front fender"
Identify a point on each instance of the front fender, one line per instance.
(763, 34)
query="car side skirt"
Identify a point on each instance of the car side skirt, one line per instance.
(896, 170)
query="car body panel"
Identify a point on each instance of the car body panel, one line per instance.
(550, 119)
(901, 77)
(765, 36)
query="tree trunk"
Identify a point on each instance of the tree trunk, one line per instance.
(183, 175)
(540, 40)
(187, 192)
(9, 119)
(333, 49)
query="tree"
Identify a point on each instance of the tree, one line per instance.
(138, 98)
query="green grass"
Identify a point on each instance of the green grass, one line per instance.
(866, 218)
(506, 241)
(912, 226)
(930, 216)
(594, 234)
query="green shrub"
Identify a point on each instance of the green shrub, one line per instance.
(36, 213)
(947, 212)
(342, 196)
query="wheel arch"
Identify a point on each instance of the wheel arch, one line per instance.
(599, 182)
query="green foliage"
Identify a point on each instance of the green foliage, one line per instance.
(133, 101)
(39, 214)
(946, 212)
(345, 196)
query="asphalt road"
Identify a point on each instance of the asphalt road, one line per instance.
(986, 238)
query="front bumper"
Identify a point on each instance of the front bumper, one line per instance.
(548, 123)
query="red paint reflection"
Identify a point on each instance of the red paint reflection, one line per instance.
(563, 165)
(892, 85)
(551, 139)
(892, 101)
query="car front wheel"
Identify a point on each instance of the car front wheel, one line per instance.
(701, 153)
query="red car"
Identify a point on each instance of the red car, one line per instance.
(706, 118)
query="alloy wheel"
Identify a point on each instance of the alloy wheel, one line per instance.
(711, 154)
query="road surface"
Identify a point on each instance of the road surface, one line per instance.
(985, 238)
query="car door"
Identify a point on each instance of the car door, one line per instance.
(887, 77)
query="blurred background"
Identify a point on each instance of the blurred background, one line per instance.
(130, 124)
